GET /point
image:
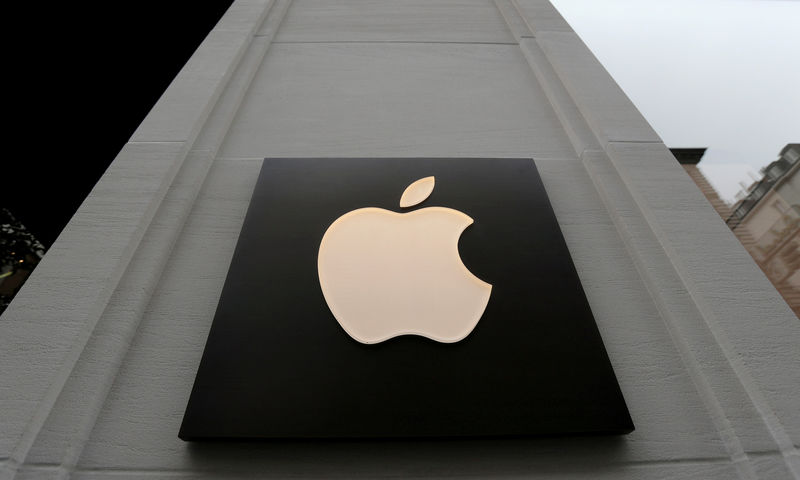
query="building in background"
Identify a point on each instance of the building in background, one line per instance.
(769, 213)
(689, 158)
(765, 218)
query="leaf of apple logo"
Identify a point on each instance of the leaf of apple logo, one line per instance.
(385, 274)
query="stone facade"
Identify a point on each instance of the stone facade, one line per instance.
(100, 347)
(767, 220)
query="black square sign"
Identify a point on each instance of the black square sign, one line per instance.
(402, 355)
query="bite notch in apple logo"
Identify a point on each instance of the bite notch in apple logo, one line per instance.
(385, 274)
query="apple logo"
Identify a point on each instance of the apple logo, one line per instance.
(385, 274)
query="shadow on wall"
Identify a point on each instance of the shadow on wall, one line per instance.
(481, 457)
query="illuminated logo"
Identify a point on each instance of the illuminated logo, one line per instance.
(385, 274)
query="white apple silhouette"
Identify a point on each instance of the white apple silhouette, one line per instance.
(385, 274)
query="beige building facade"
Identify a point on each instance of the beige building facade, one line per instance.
(767, 219)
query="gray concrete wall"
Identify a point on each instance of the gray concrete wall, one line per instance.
(100, 348)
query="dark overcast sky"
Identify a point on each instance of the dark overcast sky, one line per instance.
(83, 77)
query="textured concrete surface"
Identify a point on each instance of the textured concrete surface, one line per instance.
(395, 99)
(417, 21)
(100, 348)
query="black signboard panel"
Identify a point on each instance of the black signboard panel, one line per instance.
(277, 363)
